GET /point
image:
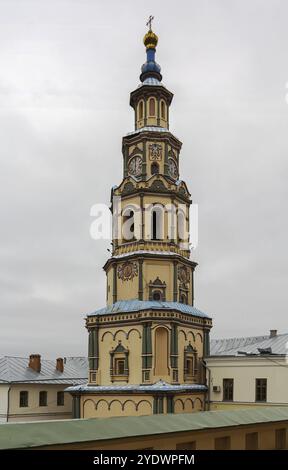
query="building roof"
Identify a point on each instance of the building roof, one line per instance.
(250, 345)
(151, 81)
(137, 305)
(43, 433)
(16, 370)
(148, 129)
(160, 386)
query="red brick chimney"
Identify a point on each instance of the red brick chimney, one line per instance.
(35, 362)
(60, 364)
(273, 333)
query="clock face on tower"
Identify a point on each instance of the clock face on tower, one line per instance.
(173, 172)
(135, 166)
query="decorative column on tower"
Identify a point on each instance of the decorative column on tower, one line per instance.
(146, 346)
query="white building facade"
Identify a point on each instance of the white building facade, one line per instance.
(244, 372)
(32, 389)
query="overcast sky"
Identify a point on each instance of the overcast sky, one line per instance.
(66, 70)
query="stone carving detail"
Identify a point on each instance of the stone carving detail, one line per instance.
(183, 274)
(155, 152)
(128, 188)
(127, 271)
(158, 185)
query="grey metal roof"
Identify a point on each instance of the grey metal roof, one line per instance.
(16, 370)
(151, 82)
(149, 129)
(160, 386)
(249, 345)
(123, 306)
(45, 433)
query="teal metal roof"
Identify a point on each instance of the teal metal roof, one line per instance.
(123, 306)
(43, 433)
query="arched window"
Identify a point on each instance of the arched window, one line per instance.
(140, 110)
(128, 224)
(157, 223)
(161, 351)
(183, 234)
(163, 110)
(154, 168)
(152, 107)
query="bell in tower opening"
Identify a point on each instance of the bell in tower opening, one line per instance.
(146, 347)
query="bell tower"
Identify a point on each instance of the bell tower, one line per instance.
(146, 346)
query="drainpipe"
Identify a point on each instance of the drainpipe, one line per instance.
(209, 383)
(8, 404)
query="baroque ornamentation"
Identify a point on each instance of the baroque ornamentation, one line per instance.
(183, 274)
(127, 271)
(155, 152)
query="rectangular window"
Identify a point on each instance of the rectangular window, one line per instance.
(42, 398)
(186, 445)
(222, 443)
(280, 439)
(23, 399)
(60, 398)
(261, 390)
(251, 441)
(189, 366)
(228, 389)
(120, 366)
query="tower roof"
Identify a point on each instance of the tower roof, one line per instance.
(150, 69)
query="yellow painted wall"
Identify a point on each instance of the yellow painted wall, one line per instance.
(106, 406)
(34, 411)
(108, 339)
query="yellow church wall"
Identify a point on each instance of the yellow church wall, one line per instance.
(131, 339)
(186, 335)
(133, 147)
(128, 289)
(189, 403)
(158, 268)
(105, 406)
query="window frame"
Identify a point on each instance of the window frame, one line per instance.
(60, 402)
(227, 388)
(23, 402)
(261, 390)
(43, 398)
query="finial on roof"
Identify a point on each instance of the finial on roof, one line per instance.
(150, 69)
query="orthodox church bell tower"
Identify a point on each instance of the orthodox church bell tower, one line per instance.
(146, 347)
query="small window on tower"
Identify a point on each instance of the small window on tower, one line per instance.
(163, 110)
(140, 114)
(189, 366)
(152, 107)
(157, 295)
(120, 366)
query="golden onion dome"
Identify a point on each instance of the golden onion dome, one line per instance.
(150, 40)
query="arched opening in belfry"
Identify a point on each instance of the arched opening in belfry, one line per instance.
(128, 225)
(161, 351)
(157, 223)
(152, 107)
(141, 110)
(163, 110)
